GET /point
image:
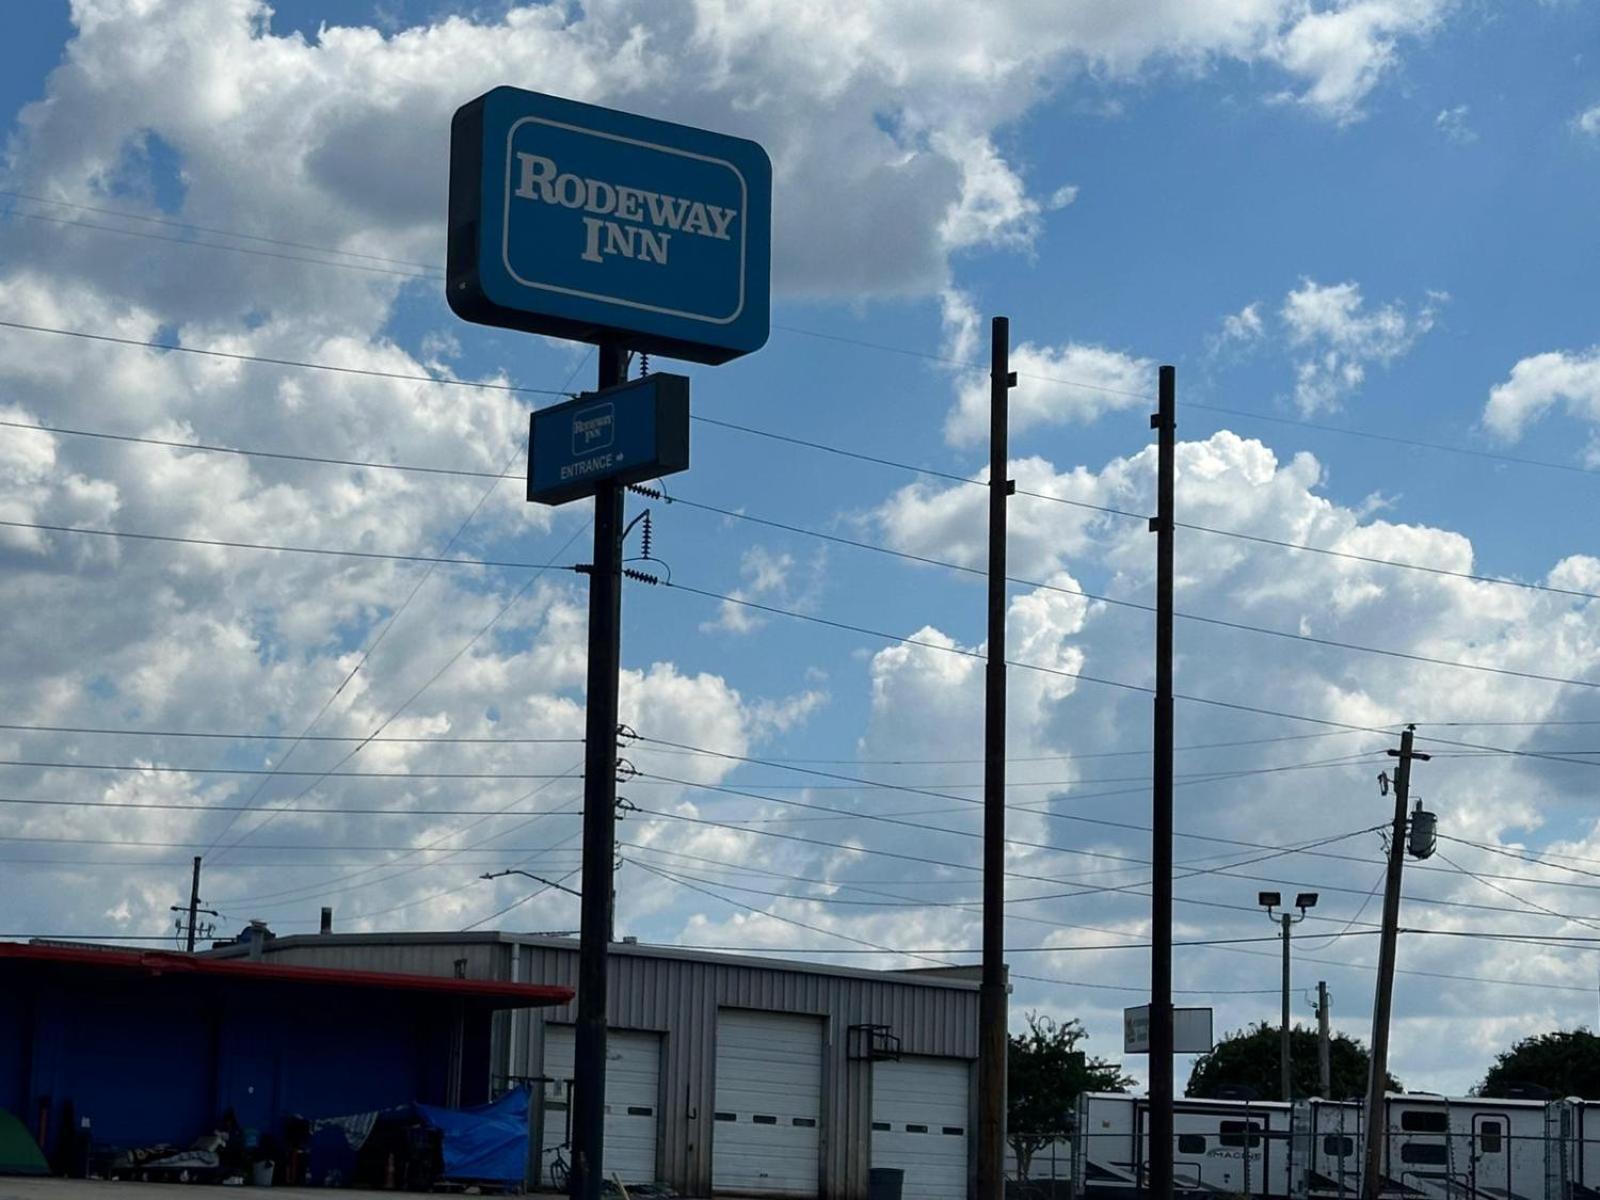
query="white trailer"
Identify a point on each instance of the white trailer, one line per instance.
(1435, 1147)
(1574, 1131)
(1221, 1147)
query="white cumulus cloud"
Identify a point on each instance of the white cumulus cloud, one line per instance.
(1540, 382)
(1073, 383)
(1339, 337)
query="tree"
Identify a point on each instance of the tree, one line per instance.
(1563, 1063)
(1250, 1059)
(1046, 1072)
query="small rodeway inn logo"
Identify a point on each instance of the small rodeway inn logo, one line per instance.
(653, 217)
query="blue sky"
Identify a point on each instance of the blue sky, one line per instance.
(1370, 216)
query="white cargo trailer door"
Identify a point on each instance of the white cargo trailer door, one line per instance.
(766, 1137)
(919, 1124)
(633, 1082)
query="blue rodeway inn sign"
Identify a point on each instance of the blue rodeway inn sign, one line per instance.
(586, 223)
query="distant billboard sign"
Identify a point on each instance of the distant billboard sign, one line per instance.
(1191, 1030)
(595, 225)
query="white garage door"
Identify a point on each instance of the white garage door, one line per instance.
(767, 1131)
(633, 1078)
(919, 1124)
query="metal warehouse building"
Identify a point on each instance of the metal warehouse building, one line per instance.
(728, 1074)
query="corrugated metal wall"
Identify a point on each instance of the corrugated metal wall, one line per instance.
(678, 997)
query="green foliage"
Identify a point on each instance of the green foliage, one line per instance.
(1249, 1059)
(1046, 1072)
(1565, 1064)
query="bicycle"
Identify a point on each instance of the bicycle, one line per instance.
(559, 1168)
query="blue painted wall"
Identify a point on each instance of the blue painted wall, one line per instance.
(158, 1059)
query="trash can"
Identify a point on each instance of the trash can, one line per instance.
(261, 1173)
(885, 1183)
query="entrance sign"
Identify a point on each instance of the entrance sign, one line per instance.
(601, 226)
(618, 435)
(1191, 1030)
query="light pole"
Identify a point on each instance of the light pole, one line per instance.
(1271, 901)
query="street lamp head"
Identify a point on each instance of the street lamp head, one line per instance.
(1269, 899)
(1305, 900)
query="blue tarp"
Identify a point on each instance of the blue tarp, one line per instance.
(487, 1142)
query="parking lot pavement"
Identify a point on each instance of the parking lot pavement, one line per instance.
(21, 1188)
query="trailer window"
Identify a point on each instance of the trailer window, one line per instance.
(1234, 1133)
(1489, 1141)
(1191, 1143)
(1423, 1121)
(1335, 1146)
(1428, 1154)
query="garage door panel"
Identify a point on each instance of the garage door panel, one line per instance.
(919, 1124)
(768, 1117)
(633, 1088)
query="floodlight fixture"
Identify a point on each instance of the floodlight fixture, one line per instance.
(1269, 899)
(1305, 900)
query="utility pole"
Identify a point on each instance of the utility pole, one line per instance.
(993, 1042)
(1324, 1060)
(1382, 1003)
(1285, 1052)
(191, 928)
(599, 822)
(1162, 1145)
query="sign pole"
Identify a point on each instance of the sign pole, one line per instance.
(599, 822)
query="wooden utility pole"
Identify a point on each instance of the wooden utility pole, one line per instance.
(1383, 1002)
(1324, 1057)
(191, 929)
(992, 1021)
(1162, 1144)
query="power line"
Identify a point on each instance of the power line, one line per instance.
(234, 233)
(1039, 585)
(399, 376)
(967, 762)
(387, 627)
(341, 883)
(426, 684)
(969, 804)
(167, 806)
(508, 740)
(208, 448)
(273, 771)
(434, 560)
(728, 900)
(1118, 512)
(1248, 414)
(150, 235)
(1522, 900)
(747, 429)
(1540, 858)
(418, 270)
(1229, 705)
(1229, 870)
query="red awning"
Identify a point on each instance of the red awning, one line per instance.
(494, 993)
